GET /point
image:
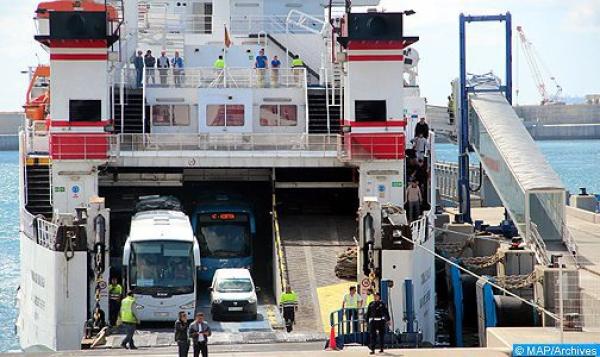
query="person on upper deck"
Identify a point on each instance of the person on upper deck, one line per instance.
(163, 68)
(219, 63)
(138, 63)
(150, 64)
(422, 128)
(297, 65)
(275, 65)
(219, 67)
(262, 61)
(177, 63)
(261, 65)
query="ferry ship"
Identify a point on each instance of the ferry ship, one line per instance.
(326, 132)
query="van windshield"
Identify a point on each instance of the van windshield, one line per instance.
(234, 285)
(160, 266)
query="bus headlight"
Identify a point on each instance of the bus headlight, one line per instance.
(189, 305)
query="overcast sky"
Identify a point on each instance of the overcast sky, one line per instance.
(566, 33)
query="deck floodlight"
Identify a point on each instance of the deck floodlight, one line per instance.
(409, 12)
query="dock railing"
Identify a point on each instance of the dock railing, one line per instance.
(349, 330)
(537, 244)
(447, 179)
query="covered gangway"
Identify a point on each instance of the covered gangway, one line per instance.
(530, 190)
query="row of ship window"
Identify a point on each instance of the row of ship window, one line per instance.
(225, 115)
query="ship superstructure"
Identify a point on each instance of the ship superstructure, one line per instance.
(102, 133)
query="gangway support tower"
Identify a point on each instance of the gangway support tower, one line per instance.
(464, 198)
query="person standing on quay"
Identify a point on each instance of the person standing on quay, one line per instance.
(377, 316)
(181, 334)
(129, 320)
(199, 332)
(115, 294)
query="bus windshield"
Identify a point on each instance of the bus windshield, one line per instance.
(161, 266)
(224, 235)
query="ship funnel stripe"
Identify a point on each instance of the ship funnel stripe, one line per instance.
(375, 58)
(378, 45)
(79, 57)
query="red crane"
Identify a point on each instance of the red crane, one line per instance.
(536, 65)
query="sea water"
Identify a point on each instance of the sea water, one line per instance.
(577, 163)
(9, 247)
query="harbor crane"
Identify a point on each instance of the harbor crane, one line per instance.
(536, 65)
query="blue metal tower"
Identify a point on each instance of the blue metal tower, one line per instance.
(464, 195)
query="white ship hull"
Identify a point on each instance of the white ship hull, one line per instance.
(51, 298)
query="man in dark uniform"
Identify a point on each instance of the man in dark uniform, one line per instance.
(377, 316)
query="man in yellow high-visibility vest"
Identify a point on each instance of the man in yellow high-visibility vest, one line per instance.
(129, 320)
(298, 68)
(352, 302)
(115, 294)
(219, 63)
(289, 304)
(370, 297)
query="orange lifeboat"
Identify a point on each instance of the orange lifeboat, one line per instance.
(38, 94)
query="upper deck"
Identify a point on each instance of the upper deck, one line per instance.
(150, 112)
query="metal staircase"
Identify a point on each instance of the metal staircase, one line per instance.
(128, 110)
(38, 188)
(323, 118)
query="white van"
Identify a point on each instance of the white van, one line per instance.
(233, 294)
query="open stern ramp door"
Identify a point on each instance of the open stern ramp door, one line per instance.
(530, 190)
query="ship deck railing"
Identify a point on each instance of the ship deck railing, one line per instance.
(206, 77)
(230, 77)
(233, 143)
(248, 145)
(38, 229)
(158, 20)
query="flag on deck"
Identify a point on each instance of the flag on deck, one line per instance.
(228, 41)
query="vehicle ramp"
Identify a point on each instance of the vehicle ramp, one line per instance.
(528, 186)
(311, 243)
